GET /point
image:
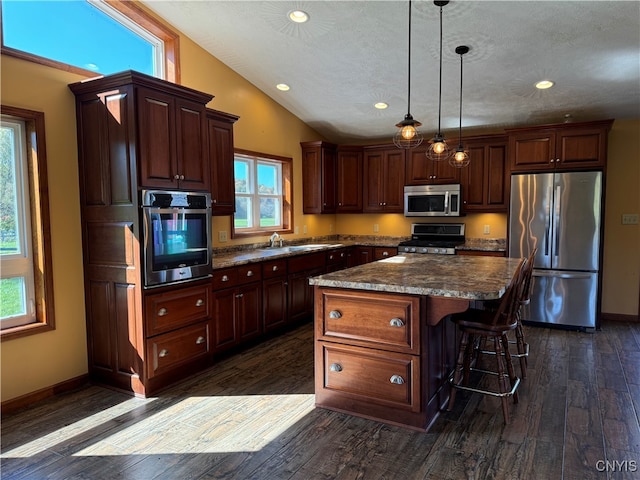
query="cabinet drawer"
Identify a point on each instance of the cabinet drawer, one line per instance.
(385, 378)
(170, 310)
(380, 253)
(274, 268)
(369, 319)
(308, 261)
(230, 277)
(180, 346)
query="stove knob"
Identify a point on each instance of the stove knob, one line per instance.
(413, 249)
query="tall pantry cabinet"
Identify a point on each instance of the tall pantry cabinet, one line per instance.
(135, 132)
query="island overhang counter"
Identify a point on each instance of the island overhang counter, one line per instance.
(383, 349)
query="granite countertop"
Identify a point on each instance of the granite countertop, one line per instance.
(466, 277)
(484, 244)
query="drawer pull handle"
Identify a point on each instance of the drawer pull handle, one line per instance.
(396, 379)
(163, 353)
(396, 322)
(200, 340)
(330, 257)
(335, 367)
(335, 314)
(240, 295)
(225, 278)
(385, 254)
(199, 302)
(162, 312)
(275, 268)
(250, 273)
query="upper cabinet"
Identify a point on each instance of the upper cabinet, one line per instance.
(349, 179)
(422, 171)
(384, 171)
(318, 177)
(485, 180)
(220, 155)
(567, 146)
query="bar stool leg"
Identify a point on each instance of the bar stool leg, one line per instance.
(521, 349)
(513, 379)
(501, 383)
(460, 367)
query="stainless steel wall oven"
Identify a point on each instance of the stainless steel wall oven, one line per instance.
(176, 236)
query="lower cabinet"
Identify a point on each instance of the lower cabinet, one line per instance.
(274, 294)
(301, 269)
(170, 350)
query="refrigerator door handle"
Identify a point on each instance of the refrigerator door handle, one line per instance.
(547, 228)
(571, 275)
(556, 222)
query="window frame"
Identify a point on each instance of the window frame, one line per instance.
(137, 15)
(40, 223)
(286, 165)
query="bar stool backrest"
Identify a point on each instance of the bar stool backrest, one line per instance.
(528, 274)
(509, 304)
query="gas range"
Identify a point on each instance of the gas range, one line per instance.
(434, 238)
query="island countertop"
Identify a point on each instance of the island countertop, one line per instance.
(465, 277)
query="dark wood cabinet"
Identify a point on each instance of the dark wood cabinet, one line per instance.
(237, 309)
(381, 253)
(336, 260)
(318, 177)
(172, 141)
(221, 158)
(300, 269)
(384, 171)
(567, 146)
(422, 171)
(485, 181)
(274, 294)
(349, 179)
(362, 254)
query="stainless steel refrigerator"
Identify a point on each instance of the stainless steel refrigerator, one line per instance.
(560, 213)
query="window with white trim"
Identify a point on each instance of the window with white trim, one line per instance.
(17, 292)
(263, 194)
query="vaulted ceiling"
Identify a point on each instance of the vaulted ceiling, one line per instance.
(352, 54)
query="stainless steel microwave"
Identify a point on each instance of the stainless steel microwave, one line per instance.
(432, 200)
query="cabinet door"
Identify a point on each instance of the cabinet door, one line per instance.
(249, 311)
(274, 303)
(224, 325)
(581, 148)
(534, 151)
(156, 139)
(363, 255)
(328, 180)
(373, 187)
(380, 253)
(191, 141)
(497, 178)
(220, 138)
(393, 181)
(318, 177)
(349, 181)
(297, 296)
(484, 180)
(418, 168)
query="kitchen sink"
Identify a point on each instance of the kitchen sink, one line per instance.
(300, 248)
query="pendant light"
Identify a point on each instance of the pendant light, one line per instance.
(460, 158)
(408, 135)
(438, 148)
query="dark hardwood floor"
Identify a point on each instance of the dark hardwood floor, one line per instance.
(252, 416)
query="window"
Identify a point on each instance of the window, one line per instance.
(89, 37)
(263, 194)
(26, 286)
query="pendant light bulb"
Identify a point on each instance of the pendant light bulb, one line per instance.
(438, 149)
(408, 135)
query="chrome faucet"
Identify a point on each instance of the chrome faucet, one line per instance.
(275, 238)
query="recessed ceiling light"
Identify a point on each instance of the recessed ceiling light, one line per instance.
(282, 86)
(298, 16)
(544, 84)
(380, 105)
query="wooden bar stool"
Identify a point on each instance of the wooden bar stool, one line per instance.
(478, 325)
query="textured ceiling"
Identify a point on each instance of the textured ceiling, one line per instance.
(352, 54)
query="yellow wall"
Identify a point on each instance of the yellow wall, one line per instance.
(32, 363)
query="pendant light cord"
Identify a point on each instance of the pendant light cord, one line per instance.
(409, 66)
(460, 131)
(440, 90)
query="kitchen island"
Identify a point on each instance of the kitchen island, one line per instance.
(383, 349)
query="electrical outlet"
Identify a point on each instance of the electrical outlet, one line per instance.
(630, 219)
(222, 236)
(296, 230)
(487, 230)
(304, 229)
(330, 227)
(376, 228)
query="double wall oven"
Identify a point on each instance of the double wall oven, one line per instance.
(176, 236)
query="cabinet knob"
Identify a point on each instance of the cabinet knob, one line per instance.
(177, 177)
(335, 314)
(200, 340)
(181, 177)
(163, 353)
(275, 268)
(199, 302)
(396, 379)
(339, 204)
(396, 322)
(385, 254)
(335, 367)
(330, 257)
(225, 278)
(250, 273)
(240, 295)
(162, 312)
(551, 161)
(214, 201)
